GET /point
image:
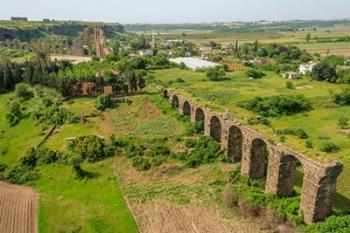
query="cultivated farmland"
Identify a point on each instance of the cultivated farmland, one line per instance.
(18, 209)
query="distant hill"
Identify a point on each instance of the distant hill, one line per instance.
(26, 31)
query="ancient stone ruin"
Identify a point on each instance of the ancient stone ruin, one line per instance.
(91, 42)
(261, 158)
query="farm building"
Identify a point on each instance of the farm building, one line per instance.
(291, 75)
(307, 67)
(194, 63)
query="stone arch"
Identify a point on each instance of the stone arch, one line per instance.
(175, 101)
(235, 144)
(186, 109)
(199, 116)
(166, 94)
(288, 175)
(258, 159)
(215, 128)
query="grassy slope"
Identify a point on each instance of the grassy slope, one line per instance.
(320, 122)
(14, 141)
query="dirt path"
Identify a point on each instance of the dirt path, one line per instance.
(18, 209)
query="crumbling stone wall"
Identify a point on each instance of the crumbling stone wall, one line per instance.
(94, 38)
(253, 149)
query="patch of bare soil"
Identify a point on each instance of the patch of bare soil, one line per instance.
(18, 209)
(159, 216)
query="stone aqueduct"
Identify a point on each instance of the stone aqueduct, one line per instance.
(279, 167)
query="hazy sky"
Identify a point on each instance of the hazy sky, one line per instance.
(175, 11)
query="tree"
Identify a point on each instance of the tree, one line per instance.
(252, 73)
(103, 102)
(324, 72)
(308, 37)
(23, 92)
(216, 73)
(343, 122)
(115, 46)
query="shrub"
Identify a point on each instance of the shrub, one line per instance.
(229, 197)
(324, 72)
(159, 150)
(216, 73)
(277, 105)
(252, 73)
(23, 92)
(333, 224)
(300, 133)
(141, 164)
(205, 151)
(289, 85)
(21, 174)
(329, 147)
(14, 115)
(190, 143)
(343, 122)
(343, 98)
(103, 102)
(309, 144)
(90, 148)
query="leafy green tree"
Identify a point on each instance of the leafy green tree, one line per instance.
(343, 122)
(216, 73)
(103, 102)
(255, 74)
(324, 72)
(23, 92)
(308, 37)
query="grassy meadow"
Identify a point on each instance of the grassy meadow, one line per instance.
(320, 123)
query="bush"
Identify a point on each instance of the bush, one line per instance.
(14, 115)
(329, 147)
(103, 102)
(309, 144)
(216, 73)
(324, 72)
(343, 122)
(343, 98)
(229, 197)
(140, 163)
(21, 174)
(23, 92)
(159, 150)
(90, 148)
(190, 143)
(300, 133)
(333, 224)
(205, 151)
(289, 85)
(255, 74)
(277, 105)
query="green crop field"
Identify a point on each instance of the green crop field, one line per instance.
(320, 123)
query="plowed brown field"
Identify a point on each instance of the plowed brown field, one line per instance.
(18, 209)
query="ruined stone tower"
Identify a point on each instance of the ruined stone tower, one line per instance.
(92, 40)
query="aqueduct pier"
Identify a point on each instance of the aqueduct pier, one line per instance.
(262, 158)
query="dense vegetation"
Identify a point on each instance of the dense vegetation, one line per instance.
(277, 105)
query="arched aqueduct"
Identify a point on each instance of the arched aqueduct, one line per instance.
(261, 158)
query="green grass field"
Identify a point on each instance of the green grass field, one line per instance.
(320, 124)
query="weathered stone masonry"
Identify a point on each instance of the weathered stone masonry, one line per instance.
(252, 149)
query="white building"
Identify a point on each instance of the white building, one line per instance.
(307, 67)
(194, 63)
